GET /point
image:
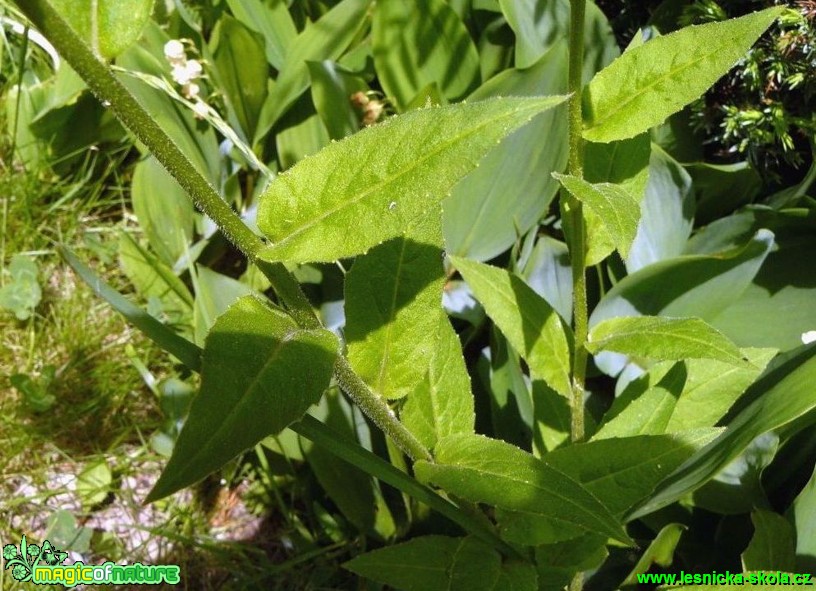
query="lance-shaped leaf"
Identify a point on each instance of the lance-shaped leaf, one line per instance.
(260, 373)
(393, 310)
(366, 189)
(617, 209)
(659, 338)
(484, 470)
(648, 83)
(442, 404)
(525, 318)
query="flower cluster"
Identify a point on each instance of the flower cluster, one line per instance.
(185, 72)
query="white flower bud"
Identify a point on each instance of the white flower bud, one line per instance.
(809, 337)
(191, 90)
(200, 109)
(174, 51)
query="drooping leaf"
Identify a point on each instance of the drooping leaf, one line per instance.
(661, 338)
(241, 71)
(660, 552)
(781, 395)
(485, 214)
(108, 26)
(382, 179)
(325, 39)
(442, 404)
(260, 373)
(271, 18)
(484, 470)
(648, 83)
(531, 326)
(393, 311)
(618, 210)
(773, 545)
(417, 44)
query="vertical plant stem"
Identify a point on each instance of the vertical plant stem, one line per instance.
(111, 92)
(574, 209)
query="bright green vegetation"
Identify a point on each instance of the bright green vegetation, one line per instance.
(439, 289)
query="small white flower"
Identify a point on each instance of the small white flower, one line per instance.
(809, 337)
(174, 51)
(191, 90)
(200, 109)
(187, 72)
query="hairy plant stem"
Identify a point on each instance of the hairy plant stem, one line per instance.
(577, 234)
(113, 94)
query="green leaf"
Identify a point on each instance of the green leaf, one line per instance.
(303, 133)
(241, 71)
(531, 326)
(23, 293)
(803, 513)
(442, 404)
(163, 336)
(484, 470)
(165, 213)
(214, 294)
(661, 338)
(331, 88)
(270, 18)
(432, 563)
(784, 393)
(648, 83)
(548, 272)
(416, 44)
(485, 215)
(618, 210)
(621, 471)
(382, 179)
(108, 26)
(393, 311)
(722, 188)
(260, 373)
(93, 483)
(325, 39)
(773, 546)
(558, 563)
(660, 552)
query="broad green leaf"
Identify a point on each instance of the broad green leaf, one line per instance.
(625, 163)
(439, 563)
(531, 326)
(621, 471)
(165, 213)
(484, 470)
(548, 272)
(331, 88)
(382, 179)
(618, 210)
(419, 43)
(558, 563)
(241, 71)
(270, 18)
(661, 338)
(260, 373)
(93, 482)
(773, 545)
(660, 552)
(648, 83)
(214, 294)
(551, 425)
(485, 214)
(667, 213)
(162, 335)
(803, 513)
(722, 188)
(393, 311)
(538, 26)
(442, 404)
(325, 39)
(303, 133)
(782, 394)
(108, 26)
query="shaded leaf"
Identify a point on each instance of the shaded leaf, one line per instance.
(382, 179)
(531, 326)
(648, 83)
(108, 26)
(660, 552)
(332, 88)
(773, 545)
(484, 470)
(260, 373)
(803, 513)
(270, 18)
